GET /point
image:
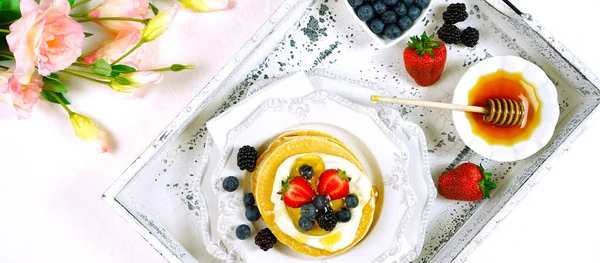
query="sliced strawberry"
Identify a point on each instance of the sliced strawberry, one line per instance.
(296, 192)
(335, 183)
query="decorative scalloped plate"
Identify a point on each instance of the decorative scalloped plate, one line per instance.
(384, 155)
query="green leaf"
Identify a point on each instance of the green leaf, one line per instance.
(123, 68)
(101, 67)
(154, 9)
(88, 34)
(48, 96)
(71, 2)
(122, 81)
(54, 85)
(9, 11)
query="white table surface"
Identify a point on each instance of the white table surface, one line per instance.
(50, 184)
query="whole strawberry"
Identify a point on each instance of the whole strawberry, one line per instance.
(425, 59)
(467, 182)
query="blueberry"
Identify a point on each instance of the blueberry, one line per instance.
(389, 17)
(242, 232)
(351, 201)
(414, 12)
(400, 9)
(379, 7)
(390, 2)
(230, 183)
(306, 171)
(321, 201)
(422, 3)
(355, 3)
(377, 26)
(248, 199)
(306, 224)
(309, 211)
(392, 31)
(404, 22)
(365, 12)
(252, 213)
(408, 2)
(343, 215)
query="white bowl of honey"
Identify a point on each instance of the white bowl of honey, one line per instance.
(513, 78)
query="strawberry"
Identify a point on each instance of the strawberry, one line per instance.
(467, 182)
(424, 59)
(296, 192)
(335, 183)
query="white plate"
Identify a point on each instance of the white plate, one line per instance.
(545, 91)
(382, 153)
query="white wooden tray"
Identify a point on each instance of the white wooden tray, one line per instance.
(155, 193)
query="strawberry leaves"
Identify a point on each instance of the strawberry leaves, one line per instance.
(424, 44)
(486, 184)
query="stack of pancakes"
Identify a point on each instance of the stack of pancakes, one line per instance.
(288, 145)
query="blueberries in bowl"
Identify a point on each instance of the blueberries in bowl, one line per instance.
(389, 19)
(379, 7)
(365, 12)
(377, 26)
(414, 12)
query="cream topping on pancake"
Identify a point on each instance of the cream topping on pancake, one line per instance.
(344, 233)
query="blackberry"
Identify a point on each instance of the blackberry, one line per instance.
(248, 199)
(243, 232)
(455, 13)
(351, 201)
(246, 158)
(265, 239)
(306, 171)
(230, 183)
(327, 220)
(343, 215)
(469, 37)
(449, 33)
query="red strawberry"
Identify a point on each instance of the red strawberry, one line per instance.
(425, 59)
(467, 182)
(296, 192)
(335, 183)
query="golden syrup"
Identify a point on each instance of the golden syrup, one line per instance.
(329, 241)
(502, 84)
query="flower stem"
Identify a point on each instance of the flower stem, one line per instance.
(3, 67)
(85, 77)
(4, 31)
(80, 3)
(62, 103)
(7, 56)
(81, 65)
(139, 44)
(83, 73)
(78, 15)
(88, 19)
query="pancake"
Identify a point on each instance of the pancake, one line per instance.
(291, 144)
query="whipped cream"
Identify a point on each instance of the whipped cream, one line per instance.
(344, 233)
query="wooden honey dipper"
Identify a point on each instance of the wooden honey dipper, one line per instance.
(500, 112)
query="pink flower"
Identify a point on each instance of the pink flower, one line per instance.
(45, 36)
(21, 96)
(121, 8)
(159, 24)
(114, 49)
(128, 82)
(206, 5)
